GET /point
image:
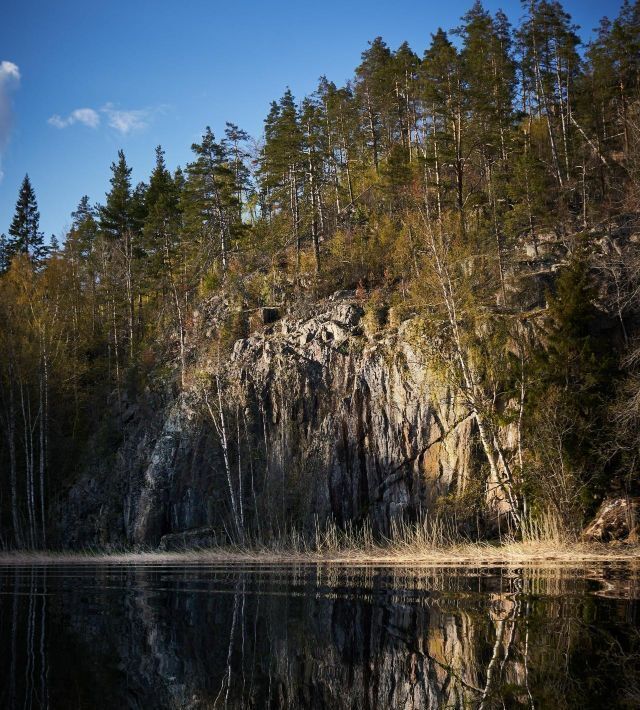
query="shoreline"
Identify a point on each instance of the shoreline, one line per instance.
(472, 554)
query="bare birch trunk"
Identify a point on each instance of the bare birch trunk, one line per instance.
(471, 389)
(219, 422)
(372, 130)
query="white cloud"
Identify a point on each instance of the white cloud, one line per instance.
(9, 71)
(9, 80)
(126, 122)
(121, 120)
(86, 116)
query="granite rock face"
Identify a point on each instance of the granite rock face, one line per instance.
(323, 421)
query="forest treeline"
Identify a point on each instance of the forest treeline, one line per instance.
(437, 183)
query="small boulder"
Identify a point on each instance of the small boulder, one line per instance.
(616, 519)
(194, 539)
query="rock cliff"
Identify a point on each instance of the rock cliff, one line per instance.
(326, 417)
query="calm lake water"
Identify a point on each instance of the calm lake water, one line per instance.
(318, 637)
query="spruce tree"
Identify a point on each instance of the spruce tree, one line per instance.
(574, 373)
(116, 215)
(162, 218)
(84, 227)
(118, 222)
(25, 236)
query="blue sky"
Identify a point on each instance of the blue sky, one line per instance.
(79, 80)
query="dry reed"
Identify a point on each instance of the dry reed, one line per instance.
(432, 541)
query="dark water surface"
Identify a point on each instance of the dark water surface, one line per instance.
(110, 636)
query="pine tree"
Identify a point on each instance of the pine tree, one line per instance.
(340, 130)
(551, 67)
(404, 68)
(211, 201)
(608, 97)
(447, 105)
(282, 164)
(489, 73)
(489, 83)
(312, 121)
(236, 141)
(373, 96)
(25, 236)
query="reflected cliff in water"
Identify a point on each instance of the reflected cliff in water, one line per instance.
(318, 637)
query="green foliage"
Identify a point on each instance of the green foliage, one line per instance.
(465, 508)
(375, 313)
(575, 357)
(572, 379)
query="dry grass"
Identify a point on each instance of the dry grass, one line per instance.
(432, 542)
(476, 554)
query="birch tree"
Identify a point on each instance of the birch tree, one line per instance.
(462, 313)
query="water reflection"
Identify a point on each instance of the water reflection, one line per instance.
(318, 637)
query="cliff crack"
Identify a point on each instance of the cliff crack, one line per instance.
(397, 473)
